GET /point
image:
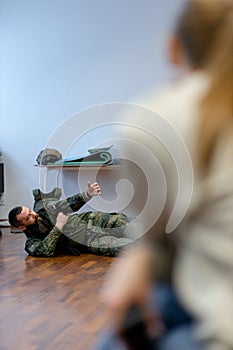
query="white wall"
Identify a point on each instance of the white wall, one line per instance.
(62, 56)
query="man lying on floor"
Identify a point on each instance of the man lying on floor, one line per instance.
(51, 230)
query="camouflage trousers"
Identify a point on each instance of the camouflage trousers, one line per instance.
(103, 233)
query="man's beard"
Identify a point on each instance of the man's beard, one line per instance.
(38, 219)
(40, 229)
(44, 224)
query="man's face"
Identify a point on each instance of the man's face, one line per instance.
(27, 217)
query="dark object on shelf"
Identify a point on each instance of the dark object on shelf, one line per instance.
(100, 149)
(97, 158)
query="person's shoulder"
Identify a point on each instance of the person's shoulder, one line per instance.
(178, 101)
(176, 93)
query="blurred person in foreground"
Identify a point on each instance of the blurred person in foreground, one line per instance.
(194, 264)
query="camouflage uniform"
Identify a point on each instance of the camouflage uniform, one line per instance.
(94, 232)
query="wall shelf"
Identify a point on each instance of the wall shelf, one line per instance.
(78, 167)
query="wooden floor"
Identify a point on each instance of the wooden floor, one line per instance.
(49, 303)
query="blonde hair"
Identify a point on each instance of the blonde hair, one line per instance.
(205, 31)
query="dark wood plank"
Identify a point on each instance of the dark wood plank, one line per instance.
(49, 303)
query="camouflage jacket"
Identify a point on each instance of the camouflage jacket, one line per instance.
(95, 232)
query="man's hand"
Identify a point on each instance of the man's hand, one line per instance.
(61, 220)
(93, 189)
